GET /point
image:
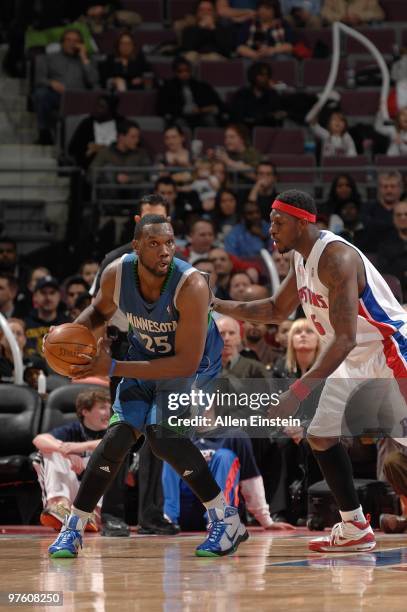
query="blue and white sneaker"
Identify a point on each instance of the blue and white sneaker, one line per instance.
(69, 539)
(225, 532)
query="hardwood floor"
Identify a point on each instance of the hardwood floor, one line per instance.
(149, 573)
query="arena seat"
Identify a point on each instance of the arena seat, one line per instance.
(360, 103)
(149, 10)
(399, 161)
(162, 69)
(296, 163)
(284, 70)
(137, 103)
(350, 163)
(223, 73)
(177, 9)
(383, 38)
(79, 101)
(311, 37)
(20, 415)
(60, 406)
(284, 141)
(211, 137)
(316, 71)
(396, 10)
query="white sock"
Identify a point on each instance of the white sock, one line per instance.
(353, 515)
(83, 517)
(218, 502)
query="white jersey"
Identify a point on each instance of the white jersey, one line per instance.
(380, 318)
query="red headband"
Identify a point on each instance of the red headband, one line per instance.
(294, 211)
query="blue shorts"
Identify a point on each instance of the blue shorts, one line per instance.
(145, 402)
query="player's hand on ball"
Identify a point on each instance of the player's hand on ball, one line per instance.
(280, 527)
(99, 365)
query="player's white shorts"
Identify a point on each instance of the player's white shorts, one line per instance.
(367, 395)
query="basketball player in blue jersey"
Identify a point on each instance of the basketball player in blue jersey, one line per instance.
(363, 332)
(166, 304)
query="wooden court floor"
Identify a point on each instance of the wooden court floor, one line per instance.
(149, 573)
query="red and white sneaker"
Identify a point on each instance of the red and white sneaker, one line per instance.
(349, 536)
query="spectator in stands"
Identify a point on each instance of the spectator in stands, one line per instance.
(206, 265)
(73, 288)
(8, 294)
(209, 38)
(281, 338)
(71, 68)
(250, 236)
(303, 348)
(259, 103)
(65, 452)
(82, 301)
(392, 253)
(302, 13)
(237, 155)
(176, 154)
(125, 70)
(226, 212)
(239, 282)
(352, 12)
(236, 11)
(349, 224)
(336, 139)
(125, 153)
(31, 365)
(282, 263)
(267, 35)
(223, 268)
(100, 15)
(264, 192)
(343, 189)
(379, 214)
(397, 133)
(206, 185)
(35, 276)
(219, 171)
(9, 260)
(392, 466)
(187, 100)
(255, 344)
(88, 271)
(47, 298)
(183, 205)
(95, 132)
(200, 240)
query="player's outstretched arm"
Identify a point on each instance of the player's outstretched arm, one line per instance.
(103, 307)
(338, 270)
(271, 310)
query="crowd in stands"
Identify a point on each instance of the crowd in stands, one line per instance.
(217, 187)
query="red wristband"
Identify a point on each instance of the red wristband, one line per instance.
(300, 390)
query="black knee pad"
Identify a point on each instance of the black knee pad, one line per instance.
(117, 441)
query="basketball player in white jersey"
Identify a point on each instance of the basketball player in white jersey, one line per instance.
(363, 331)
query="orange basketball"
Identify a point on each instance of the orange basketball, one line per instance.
(65, 343)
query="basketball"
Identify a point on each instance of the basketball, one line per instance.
(64, 345)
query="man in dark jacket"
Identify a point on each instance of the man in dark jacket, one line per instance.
(259, 103)
(184, 98)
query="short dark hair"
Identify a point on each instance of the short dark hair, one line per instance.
(200, 220)
(148, 220)
(180, 61)
(87, 399)
(202, 260)
(8, 240)
(165, 180)
(12, 281)
(71, 31)
(153, 199)
(300, 199)
(273, 4)
(125, 126)
(255, 69)
(75, 280)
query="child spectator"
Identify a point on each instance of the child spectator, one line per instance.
(205, 184)
(397, 133)
(336, 140)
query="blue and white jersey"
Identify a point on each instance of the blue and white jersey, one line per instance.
(152, 327)
(380, 317)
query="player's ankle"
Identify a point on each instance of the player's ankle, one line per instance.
(355, 516)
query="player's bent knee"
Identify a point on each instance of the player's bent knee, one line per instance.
(118, 440)
(321, 444)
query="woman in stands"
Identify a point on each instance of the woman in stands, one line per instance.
(343, 189)
(396, 133)
(127, 68)
(176, 154)
(237, 155)
(226, 213)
